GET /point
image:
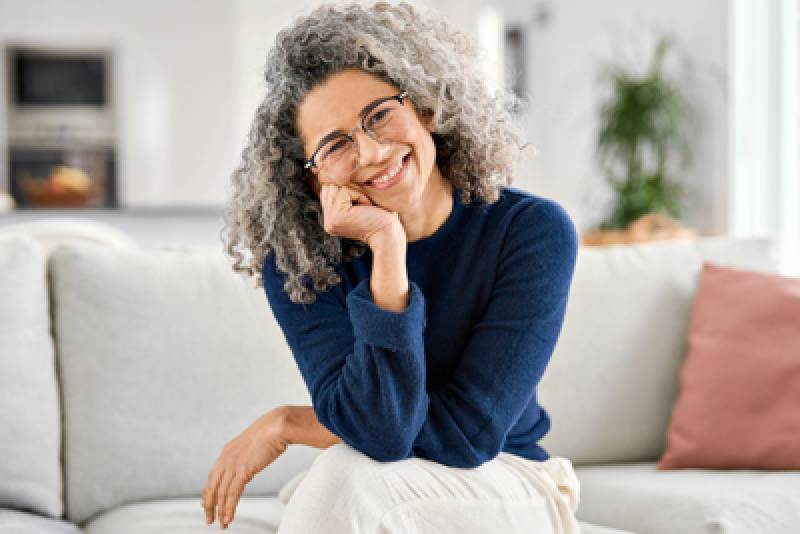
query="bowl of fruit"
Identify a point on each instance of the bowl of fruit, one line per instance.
(66, 187)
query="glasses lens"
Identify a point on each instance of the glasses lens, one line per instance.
(335, 158)
(386, 121)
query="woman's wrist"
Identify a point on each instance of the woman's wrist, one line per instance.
(390, 236)
(272, 425)
(299, 426)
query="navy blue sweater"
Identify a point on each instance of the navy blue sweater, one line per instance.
(453, 377)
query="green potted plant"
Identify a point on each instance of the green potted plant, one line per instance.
(641, 144)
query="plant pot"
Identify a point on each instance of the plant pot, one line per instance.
(648, 227)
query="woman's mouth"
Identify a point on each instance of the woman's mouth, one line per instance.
(392, 179)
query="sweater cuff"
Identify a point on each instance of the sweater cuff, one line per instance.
(385, 328)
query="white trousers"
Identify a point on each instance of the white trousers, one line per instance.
(347, 492)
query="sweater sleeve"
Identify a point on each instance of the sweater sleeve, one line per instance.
(364, 366)
(469, 416)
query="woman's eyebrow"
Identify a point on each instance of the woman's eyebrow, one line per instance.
(338, 131)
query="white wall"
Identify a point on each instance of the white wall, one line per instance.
(257, 23)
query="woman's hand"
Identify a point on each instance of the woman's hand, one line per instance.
(250, 452)
(360, 221)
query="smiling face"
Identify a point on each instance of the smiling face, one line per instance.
(336, 105)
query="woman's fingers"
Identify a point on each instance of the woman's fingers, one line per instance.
(224, 494)
(221, 495)
(209, 498)
(234, 494)
(323, 194)
(360, 198)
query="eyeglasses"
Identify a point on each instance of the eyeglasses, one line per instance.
(383, 120)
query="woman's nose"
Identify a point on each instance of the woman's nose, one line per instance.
(370, 151)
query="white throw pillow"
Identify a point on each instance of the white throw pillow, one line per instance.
(30, 418)
(165, 355)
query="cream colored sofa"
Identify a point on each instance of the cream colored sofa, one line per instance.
(125, 369)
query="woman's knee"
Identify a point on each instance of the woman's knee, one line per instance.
(337, 490)
(341, 469)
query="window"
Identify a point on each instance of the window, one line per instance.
(764, 193)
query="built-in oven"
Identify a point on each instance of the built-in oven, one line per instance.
(61, 127)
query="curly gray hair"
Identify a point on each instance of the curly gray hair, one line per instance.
(272, 207)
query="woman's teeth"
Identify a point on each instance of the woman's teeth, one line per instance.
(390, 174)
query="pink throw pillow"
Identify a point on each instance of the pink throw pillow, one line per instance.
(739, 400)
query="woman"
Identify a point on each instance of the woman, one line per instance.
(421, 296)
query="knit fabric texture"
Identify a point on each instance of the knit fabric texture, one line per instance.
(453, 377)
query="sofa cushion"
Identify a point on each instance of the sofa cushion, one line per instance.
(589, 528)
(612, 380)
(254, 515)
(30, 417)
(165, 356)
(739, 401)
(51, 232)
(19, 522)
(638, 497)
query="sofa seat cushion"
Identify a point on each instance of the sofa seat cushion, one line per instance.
(636, 496)
(19, 522)
(589, 528)
(254, 515)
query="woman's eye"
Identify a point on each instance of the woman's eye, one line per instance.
(378, 116)
(337, 145)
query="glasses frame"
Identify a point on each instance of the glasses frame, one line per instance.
(399, 97)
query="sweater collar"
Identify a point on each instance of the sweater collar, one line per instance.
(446, 230)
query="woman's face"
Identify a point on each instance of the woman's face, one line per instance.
(335, 105)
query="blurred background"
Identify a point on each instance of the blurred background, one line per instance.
(653, 119)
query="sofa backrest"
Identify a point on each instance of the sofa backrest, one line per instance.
(164, 356)
(52, 232)
(614, 374)
(30, 420)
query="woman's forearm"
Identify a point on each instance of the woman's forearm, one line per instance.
(389, 279)
(301, 427)
(390, 290)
